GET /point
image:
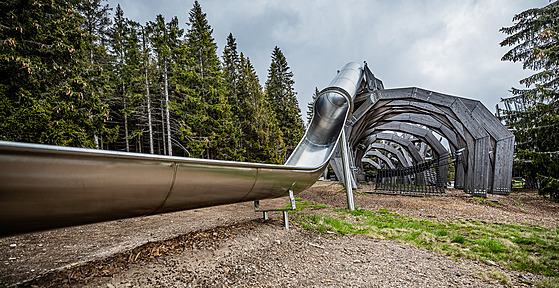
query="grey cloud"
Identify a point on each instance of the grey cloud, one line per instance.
(446, 46)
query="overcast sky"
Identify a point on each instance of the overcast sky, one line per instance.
(445, 46)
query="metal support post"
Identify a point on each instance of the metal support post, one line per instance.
(347, 171)
(257, 209)
(285, 220)
(284, 211)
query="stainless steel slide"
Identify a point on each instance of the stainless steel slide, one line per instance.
(44, 187)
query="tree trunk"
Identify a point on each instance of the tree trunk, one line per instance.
(125, 119)
(170, 148)
(163, 127)
(148, 98)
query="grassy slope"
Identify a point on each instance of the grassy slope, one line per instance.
(515, 247)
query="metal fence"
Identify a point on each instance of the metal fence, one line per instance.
(421, 180)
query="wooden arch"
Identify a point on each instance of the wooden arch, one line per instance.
(379, 114)
(465, 123)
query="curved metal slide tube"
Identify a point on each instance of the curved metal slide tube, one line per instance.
(45, 187)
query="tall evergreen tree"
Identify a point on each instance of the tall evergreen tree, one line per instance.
(118, 104)
(187, 103)
(127, 102)
(145, 66)
(96, 22)
(231, 63)
(165, 38)
(134, 92)
(262, 137)
(310, 106)
(47, 84)
(214, 136)
(282, 95)
(231, 74)
(134, 76)
(535, 40)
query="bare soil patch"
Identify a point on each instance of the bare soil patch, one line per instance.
(229, 246)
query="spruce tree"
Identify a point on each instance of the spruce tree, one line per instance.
(134, 76)
(262, 137)
(231, 63)
(215, 136)
(187, 104)
(118, 104)
(310, 106)
(131, 85)
(165, 39)
(128, 100)
(535, 40)
(282, 96)
(231, 75)
(47, 84)
(145, 66)
(96, 22)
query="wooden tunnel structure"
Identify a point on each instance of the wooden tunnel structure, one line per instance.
(402, 129)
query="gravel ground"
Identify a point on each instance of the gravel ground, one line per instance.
(228, 246)
(264, 255)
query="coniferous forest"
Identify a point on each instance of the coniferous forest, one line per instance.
(79, 73)
(534, 39)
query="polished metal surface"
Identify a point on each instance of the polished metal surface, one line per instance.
(347, 172)
(331, 106)
(45, 187)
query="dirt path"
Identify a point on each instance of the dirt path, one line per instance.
(228, 246)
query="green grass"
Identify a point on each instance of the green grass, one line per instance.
(493, 273)
(549, 283)
(300, 204)
(481, 200)
(515, 247)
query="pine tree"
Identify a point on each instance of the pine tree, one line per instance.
(47, 84)
(262, 137)
(310, 106)
(145, 66)
(117, 40)
(213, 136)
(165, 39)
(282, 95)
(231, 75)
(535, 37)
(127, 102)
(96, 22)
(134, 76)
(231, 63)
(187, 104)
